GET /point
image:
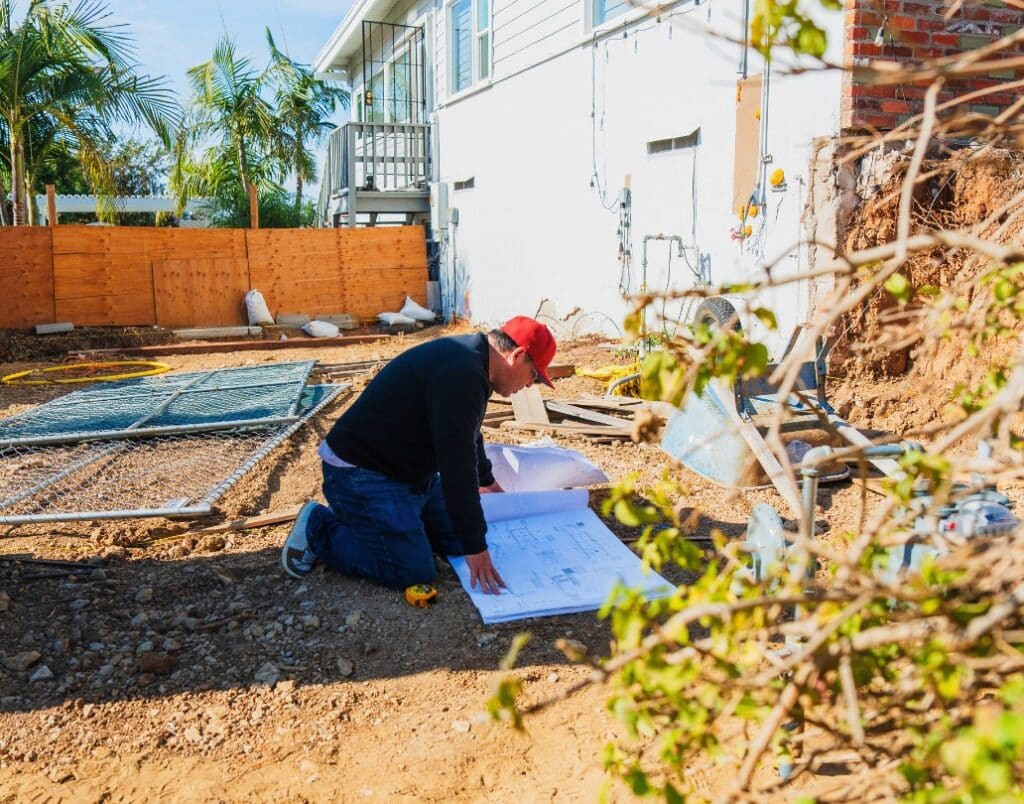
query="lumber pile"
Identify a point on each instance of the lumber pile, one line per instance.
(333, 372)
(599, 419)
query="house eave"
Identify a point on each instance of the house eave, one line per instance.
(346, 40)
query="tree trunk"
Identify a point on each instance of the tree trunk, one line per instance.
(31, 208)
(298, 172)
(17, 178)
(243, 170)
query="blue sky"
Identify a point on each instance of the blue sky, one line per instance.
(173, 35)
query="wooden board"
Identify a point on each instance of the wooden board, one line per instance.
(26, 276)
(748, 145)
(529, 407)
(584, 414)
(298, 271)
(234, 346)
(382, 266)
(113, 289)
(204, 292)
(100, 311)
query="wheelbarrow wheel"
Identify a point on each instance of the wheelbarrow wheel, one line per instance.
(716, 312)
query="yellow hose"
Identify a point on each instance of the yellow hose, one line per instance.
(151, 368)
(610, 373)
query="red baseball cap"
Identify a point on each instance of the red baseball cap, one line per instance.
(536, 339)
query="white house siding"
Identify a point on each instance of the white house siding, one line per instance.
(533, 229)
(528, 31)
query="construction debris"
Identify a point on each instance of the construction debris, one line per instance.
(257, 521)
(583, 416)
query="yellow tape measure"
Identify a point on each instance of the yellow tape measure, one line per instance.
(421, 594)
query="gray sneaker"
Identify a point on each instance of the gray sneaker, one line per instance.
(296, 557)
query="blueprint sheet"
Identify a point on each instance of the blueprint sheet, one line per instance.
(555, 555)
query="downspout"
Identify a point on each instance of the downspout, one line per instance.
(744, 63)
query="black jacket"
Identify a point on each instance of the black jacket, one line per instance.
(422, 414)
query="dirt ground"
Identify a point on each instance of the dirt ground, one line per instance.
(181, 669)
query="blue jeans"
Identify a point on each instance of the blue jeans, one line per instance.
(380, 529)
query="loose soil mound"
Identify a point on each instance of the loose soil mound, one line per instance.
(890, 379)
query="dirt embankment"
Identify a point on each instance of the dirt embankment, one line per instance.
(893, 372)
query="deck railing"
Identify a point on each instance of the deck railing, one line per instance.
(375, 156)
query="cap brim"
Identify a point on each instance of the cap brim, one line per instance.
(544, 376)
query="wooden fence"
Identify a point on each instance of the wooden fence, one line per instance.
(177, 278)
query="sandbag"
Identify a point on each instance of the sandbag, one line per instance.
(320, 329)
(256, 309)
(417, 311)
(396, 318)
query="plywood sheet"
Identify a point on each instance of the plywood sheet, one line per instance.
(299, 271)
(748, 140)
(369, 294)
(103, 311)
(384, 248)
(200, 292)
(26, 277)
(185, 244)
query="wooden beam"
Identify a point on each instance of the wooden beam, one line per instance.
(213, 347)
(570, 428)
(584, 414)
(258, 521)
(51, 205)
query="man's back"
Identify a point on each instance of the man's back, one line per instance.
(421, 415)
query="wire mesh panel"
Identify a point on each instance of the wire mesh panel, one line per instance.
(198, 401)
(181, 474)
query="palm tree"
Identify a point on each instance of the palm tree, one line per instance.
(67, 76)
(304, 106)
(231, 120)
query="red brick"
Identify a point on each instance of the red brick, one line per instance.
(870, 51)
(896, 106)
(945, 39)
(902, 23)
(875, 120)
(913, 37)
(928, 24)
(1007, 15)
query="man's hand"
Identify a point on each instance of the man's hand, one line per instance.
(494, 488)
(481, 569)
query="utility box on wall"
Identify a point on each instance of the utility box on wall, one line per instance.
(439, 209)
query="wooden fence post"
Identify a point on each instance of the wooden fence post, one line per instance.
(254, 208)
(51, 205)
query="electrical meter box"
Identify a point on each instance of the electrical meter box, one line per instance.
(439, 208)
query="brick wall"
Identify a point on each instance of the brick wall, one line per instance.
(914, 31)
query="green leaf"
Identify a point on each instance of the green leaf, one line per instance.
(766, 317)
(898, 287)
(627, 514)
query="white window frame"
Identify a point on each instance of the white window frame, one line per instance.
(627, 13)
(480, 68)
